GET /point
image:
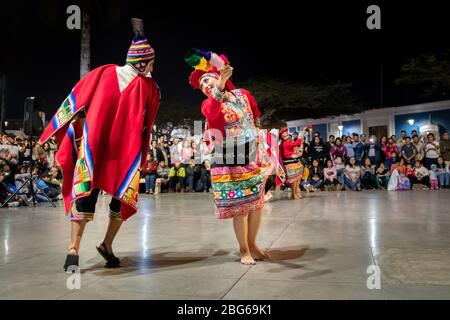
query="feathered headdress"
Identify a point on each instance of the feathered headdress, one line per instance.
(205, 62)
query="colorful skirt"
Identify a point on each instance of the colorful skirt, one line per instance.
(238, 190)
(294, 170)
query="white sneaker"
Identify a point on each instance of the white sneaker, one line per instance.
(14, 204)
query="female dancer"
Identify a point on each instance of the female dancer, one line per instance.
(237, 179)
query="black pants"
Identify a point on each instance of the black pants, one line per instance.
(425, 180)
(87, 204)
(173, 182)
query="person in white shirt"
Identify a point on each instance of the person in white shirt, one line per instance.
(421, 175)
(431, 151)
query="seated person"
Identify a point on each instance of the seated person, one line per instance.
(162, 177)
(421, 176)
(382, 176)
(177, 176)
(368, 177)
(330, 176)
(315, 175)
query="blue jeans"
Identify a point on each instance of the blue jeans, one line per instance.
(444, 179)
(190, 182)
(316, 184)
(150, 182)
(341, 176)
(352, 185)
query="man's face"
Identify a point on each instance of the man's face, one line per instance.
(363, 137)
(403, 133)
(144, 66)
(162, 164)
(355, 139)
(445, 136)
(408, 141)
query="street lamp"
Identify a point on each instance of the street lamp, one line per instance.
(411, 122)
(340, 127)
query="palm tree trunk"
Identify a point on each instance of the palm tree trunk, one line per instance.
(85, 54)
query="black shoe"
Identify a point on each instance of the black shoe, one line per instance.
(111, 260)
(71, 260)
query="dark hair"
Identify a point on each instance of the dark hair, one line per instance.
(331, 135)
(408, 137)
(338, 139)
(403, 131)
(355, 134)
(430, 134)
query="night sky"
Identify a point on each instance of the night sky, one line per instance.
(315, 43)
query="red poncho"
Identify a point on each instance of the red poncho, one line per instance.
(120, 107)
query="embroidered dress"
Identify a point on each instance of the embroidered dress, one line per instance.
(237, 175)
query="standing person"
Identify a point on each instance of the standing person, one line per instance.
(109, 112)
(445, 148)
(237, 179)
(430, 151)
(372, 151)
(175, 149)
(330, 144)
(349, 147)
(402, 140)
(358, 148)
(419, 147)
(409, 151)
(338, 150)
(149, 173)
(318, 151)
(292, 164)
(390, 152)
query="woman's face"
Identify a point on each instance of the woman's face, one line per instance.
(383, 139)
(46, 147)
(430, 138)
(440, 160)
(154, 144)
(390, 141)
(352, 161)
(315, 163)
(367, 162)
(316, 140)
(285, 136)
(207, 84)
(329, 164)
(338, 142)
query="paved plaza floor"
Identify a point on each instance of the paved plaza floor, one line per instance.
(326, 246)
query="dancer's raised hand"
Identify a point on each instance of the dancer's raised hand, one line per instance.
(225, 74)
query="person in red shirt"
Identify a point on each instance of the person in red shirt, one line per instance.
(237, 179)
(149, 173)
(292, 164)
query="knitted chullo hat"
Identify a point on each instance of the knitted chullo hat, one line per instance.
(140, 50)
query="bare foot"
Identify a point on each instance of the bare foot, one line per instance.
(247, 259)
(259, 254)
